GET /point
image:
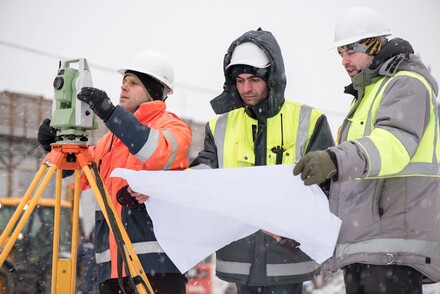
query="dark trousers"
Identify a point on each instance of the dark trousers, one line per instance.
(390, 279)
(275, 289)
(161, 283)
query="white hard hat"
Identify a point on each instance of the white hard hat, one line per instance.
(249, 54)
(358, 23)
(155, 65)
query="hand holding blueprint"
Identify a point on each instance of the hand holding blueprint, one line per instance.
(197, 212)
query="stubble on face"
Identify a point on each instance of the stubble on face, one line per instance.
(252, 89)
(133, 93)
(354, 61)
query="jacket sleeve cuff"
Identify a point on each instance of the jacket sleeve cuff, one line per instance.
(335, 162)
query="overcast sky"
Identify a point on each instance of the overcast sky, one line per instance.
(194, 35)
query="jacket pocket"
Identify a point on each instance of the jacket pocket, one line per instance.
(245, 155)
(288, 154)
(377, 209)
(357, 126)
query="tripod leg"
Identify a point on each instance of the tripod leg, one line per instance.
(56, 232)
(64, 269)
(60, 268)
(24, 200)
(26, 215)
(133, 262)
(75, 228)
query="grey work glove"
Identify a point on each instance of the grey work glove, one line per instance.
(315, 167)
(98, 102)
(46, 135)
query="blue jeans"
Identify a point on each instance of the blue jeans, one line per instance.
(274, 289)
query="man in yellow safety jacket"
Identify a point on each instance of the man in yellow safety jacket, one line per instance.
(385, 168)
(258, 126)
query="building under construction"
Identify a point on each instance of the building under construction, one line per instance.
(20, 153)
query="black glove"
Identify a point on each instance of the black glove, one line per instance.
(315, 167)
(98, 102)
(125, 199)
(46, 135)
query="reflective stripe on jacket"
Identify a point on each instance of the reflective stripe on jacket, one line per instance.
(388, 190)
(291, 129)
(406, 157)
(165, 148)
(258, 259)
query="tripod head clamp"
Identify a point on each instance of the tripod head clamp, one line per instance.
(71, 117)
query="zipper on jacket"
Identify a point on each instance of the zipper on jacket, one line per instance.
(254, 132)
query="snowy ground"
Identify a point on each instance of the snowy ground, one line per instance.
(431, 289)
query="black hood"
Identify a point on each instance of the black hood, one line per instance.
(230, 99)
(392, 48)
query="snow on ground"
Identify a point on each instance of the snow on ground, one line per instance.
(431, 289)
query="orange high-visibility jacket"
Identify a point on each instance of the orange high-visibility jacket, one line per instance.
(160, 142)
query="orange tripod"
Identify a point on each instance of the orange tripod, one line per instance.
(71, 157)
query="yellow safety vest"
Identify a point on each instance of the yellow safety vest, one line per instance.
(393, 160)
(290, 129)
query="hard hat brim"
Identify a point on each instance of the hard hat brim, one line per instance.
(352, 40)
(168, 87)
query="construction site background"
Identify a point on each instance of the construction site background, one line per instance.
(20, 153)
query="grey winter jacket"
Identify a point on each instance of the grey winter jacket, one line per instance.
(391, 220)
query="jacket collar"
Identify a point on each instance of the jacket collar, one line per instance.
(386, 63)
(149, 110)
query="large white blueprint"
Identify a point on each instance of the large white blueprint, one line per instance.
(197, 212)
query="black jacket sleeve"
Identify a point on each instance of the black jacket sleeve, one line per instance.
(128, 129)
(208, 155)
(321, 139)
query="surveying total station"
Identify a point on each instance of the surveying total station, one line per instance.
(72, 119)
